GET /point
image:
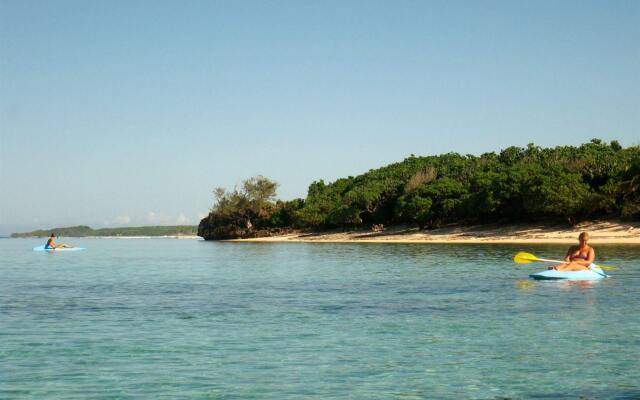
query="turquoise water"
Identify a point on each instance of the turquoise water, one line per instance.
(162, 318)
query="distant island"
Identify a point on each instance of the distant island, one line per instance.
(531, 185)
(133, 231)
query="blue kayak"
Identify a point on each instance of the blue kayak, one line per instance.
(594, 273)
(41, 248)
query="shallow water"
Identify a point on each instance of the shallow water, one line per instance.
(162, 318)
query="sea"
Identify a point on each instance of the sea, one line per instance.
(193, 319)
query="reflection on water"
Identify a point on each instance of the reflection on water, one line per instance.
(525, 284)
(154, 318)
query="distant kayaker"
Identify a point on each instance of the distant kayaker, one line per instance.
(51, 243)
(579, 257)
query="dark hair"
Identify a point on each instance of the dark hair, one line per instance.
(53, 234)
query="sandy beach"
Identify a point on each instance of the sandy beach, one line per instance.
(602, 232)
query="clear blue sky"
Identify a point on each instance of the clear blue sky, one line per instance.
(131, 112)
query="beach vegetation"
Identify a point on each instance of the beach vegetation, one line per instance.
(530, 184)
(248, 210)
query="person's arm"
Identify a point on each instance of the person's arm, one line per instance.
(591, 258)
(567, 257)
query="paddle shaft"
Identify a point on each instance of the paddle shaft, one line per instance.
(546, 259)
(525, 258)
(566, 262)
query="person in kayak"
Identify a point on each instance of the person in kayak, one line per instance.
(51, 243)
(579, 257)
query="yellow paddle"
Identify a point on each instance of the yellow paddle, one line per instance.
(526, 258)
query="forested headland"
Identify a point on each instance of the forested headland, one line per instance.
(565, 183)
(86, 231)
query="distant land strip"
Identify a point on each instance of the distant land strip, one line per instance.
(86, 231)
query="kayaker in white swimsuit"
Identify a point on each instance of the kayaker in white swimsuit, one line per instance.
(579, 257)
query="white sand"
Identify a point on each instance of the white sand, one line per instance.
(602, 232)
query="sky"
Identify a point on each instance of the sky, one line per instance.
(126, 113)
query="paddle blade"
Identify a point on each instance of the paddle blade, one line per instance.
(608, 267)
(524, 258)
